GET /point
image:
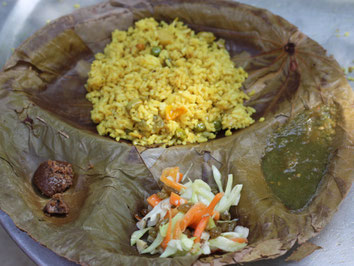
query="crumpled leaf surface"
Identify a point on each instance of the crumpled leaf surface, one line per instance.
(44, 115)
(302, 251)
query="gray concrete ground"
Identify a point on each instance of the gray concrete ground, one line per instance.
(10, 254)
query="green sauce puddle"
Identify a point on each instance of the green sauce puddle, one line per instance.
(297, 154)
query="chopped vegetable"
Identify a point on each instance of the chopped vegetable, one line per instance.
(173, 113)
(217, 178)
(177, 230)
(165, 36)
(200, 228)
(170, 181)
(200, 127)
(184, 221)
(176, 200)
(208, 211)
(140, 46)
(155, 51)
(153, 200)
(189, 217)
(225, 244)
(217, 125)
(180, 133)
(157, 212)
(168, 236)
(239, 240)
(141, 245)
(211, 223)
(137, 235)
(157, 242)
(171, 172)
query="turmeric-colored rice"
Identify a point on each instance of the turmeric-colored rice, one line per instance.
(160, 83)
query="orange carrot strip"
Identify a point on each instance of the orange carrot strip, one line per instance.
(239, 240)
(174, 211)
(189, 217)
(176, 200)
(216, 199)
(172, 172)
(153, 200)
(200, 228)
(208, 211)
(173, 184)
(177, 232)
(168, 233)
(216, 215)
(179, 177)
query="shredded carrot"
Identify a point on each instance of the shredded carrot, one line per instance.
(216, 215)
(153, 200)
(213, 203)
(200, 228)
(189, 217)
(179, 177)
(208, 211)
(176, 200)
(239, 240)
(177, 232)
(169, 232)
(173, 113)
(172, 172)
(174, 211)
(170, 183)
(137, 217)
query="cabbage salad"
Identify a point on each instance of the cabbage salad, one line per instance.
(189, 219)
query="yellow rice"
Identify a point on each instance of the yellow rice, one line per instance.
(131, 89)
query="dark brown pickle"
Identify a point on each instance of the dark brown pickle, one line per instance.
(225, 216)
(188, 233)
(168, 190)
(143, 212)
(163, 194)
(153, 232)
(228, 227)
(53, 177)
(56, 206)
(215, 232)
(164, 221)
(185, 207)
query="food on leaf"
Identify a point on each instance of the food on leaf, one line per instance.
(200, 218)
(45, 114)
(185, 88)
(56, 206)
(297, 154)
(53, 177)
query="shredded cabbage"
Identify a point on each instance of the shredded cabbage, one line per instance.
(217, 178)
(163, 228)
(151, 218)
(230, 198)
(178, 246)
(242, 231)
(172, 248)
(141, 245)
(198, 191)
(154, 245)
(225, 244)
(137, 235)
